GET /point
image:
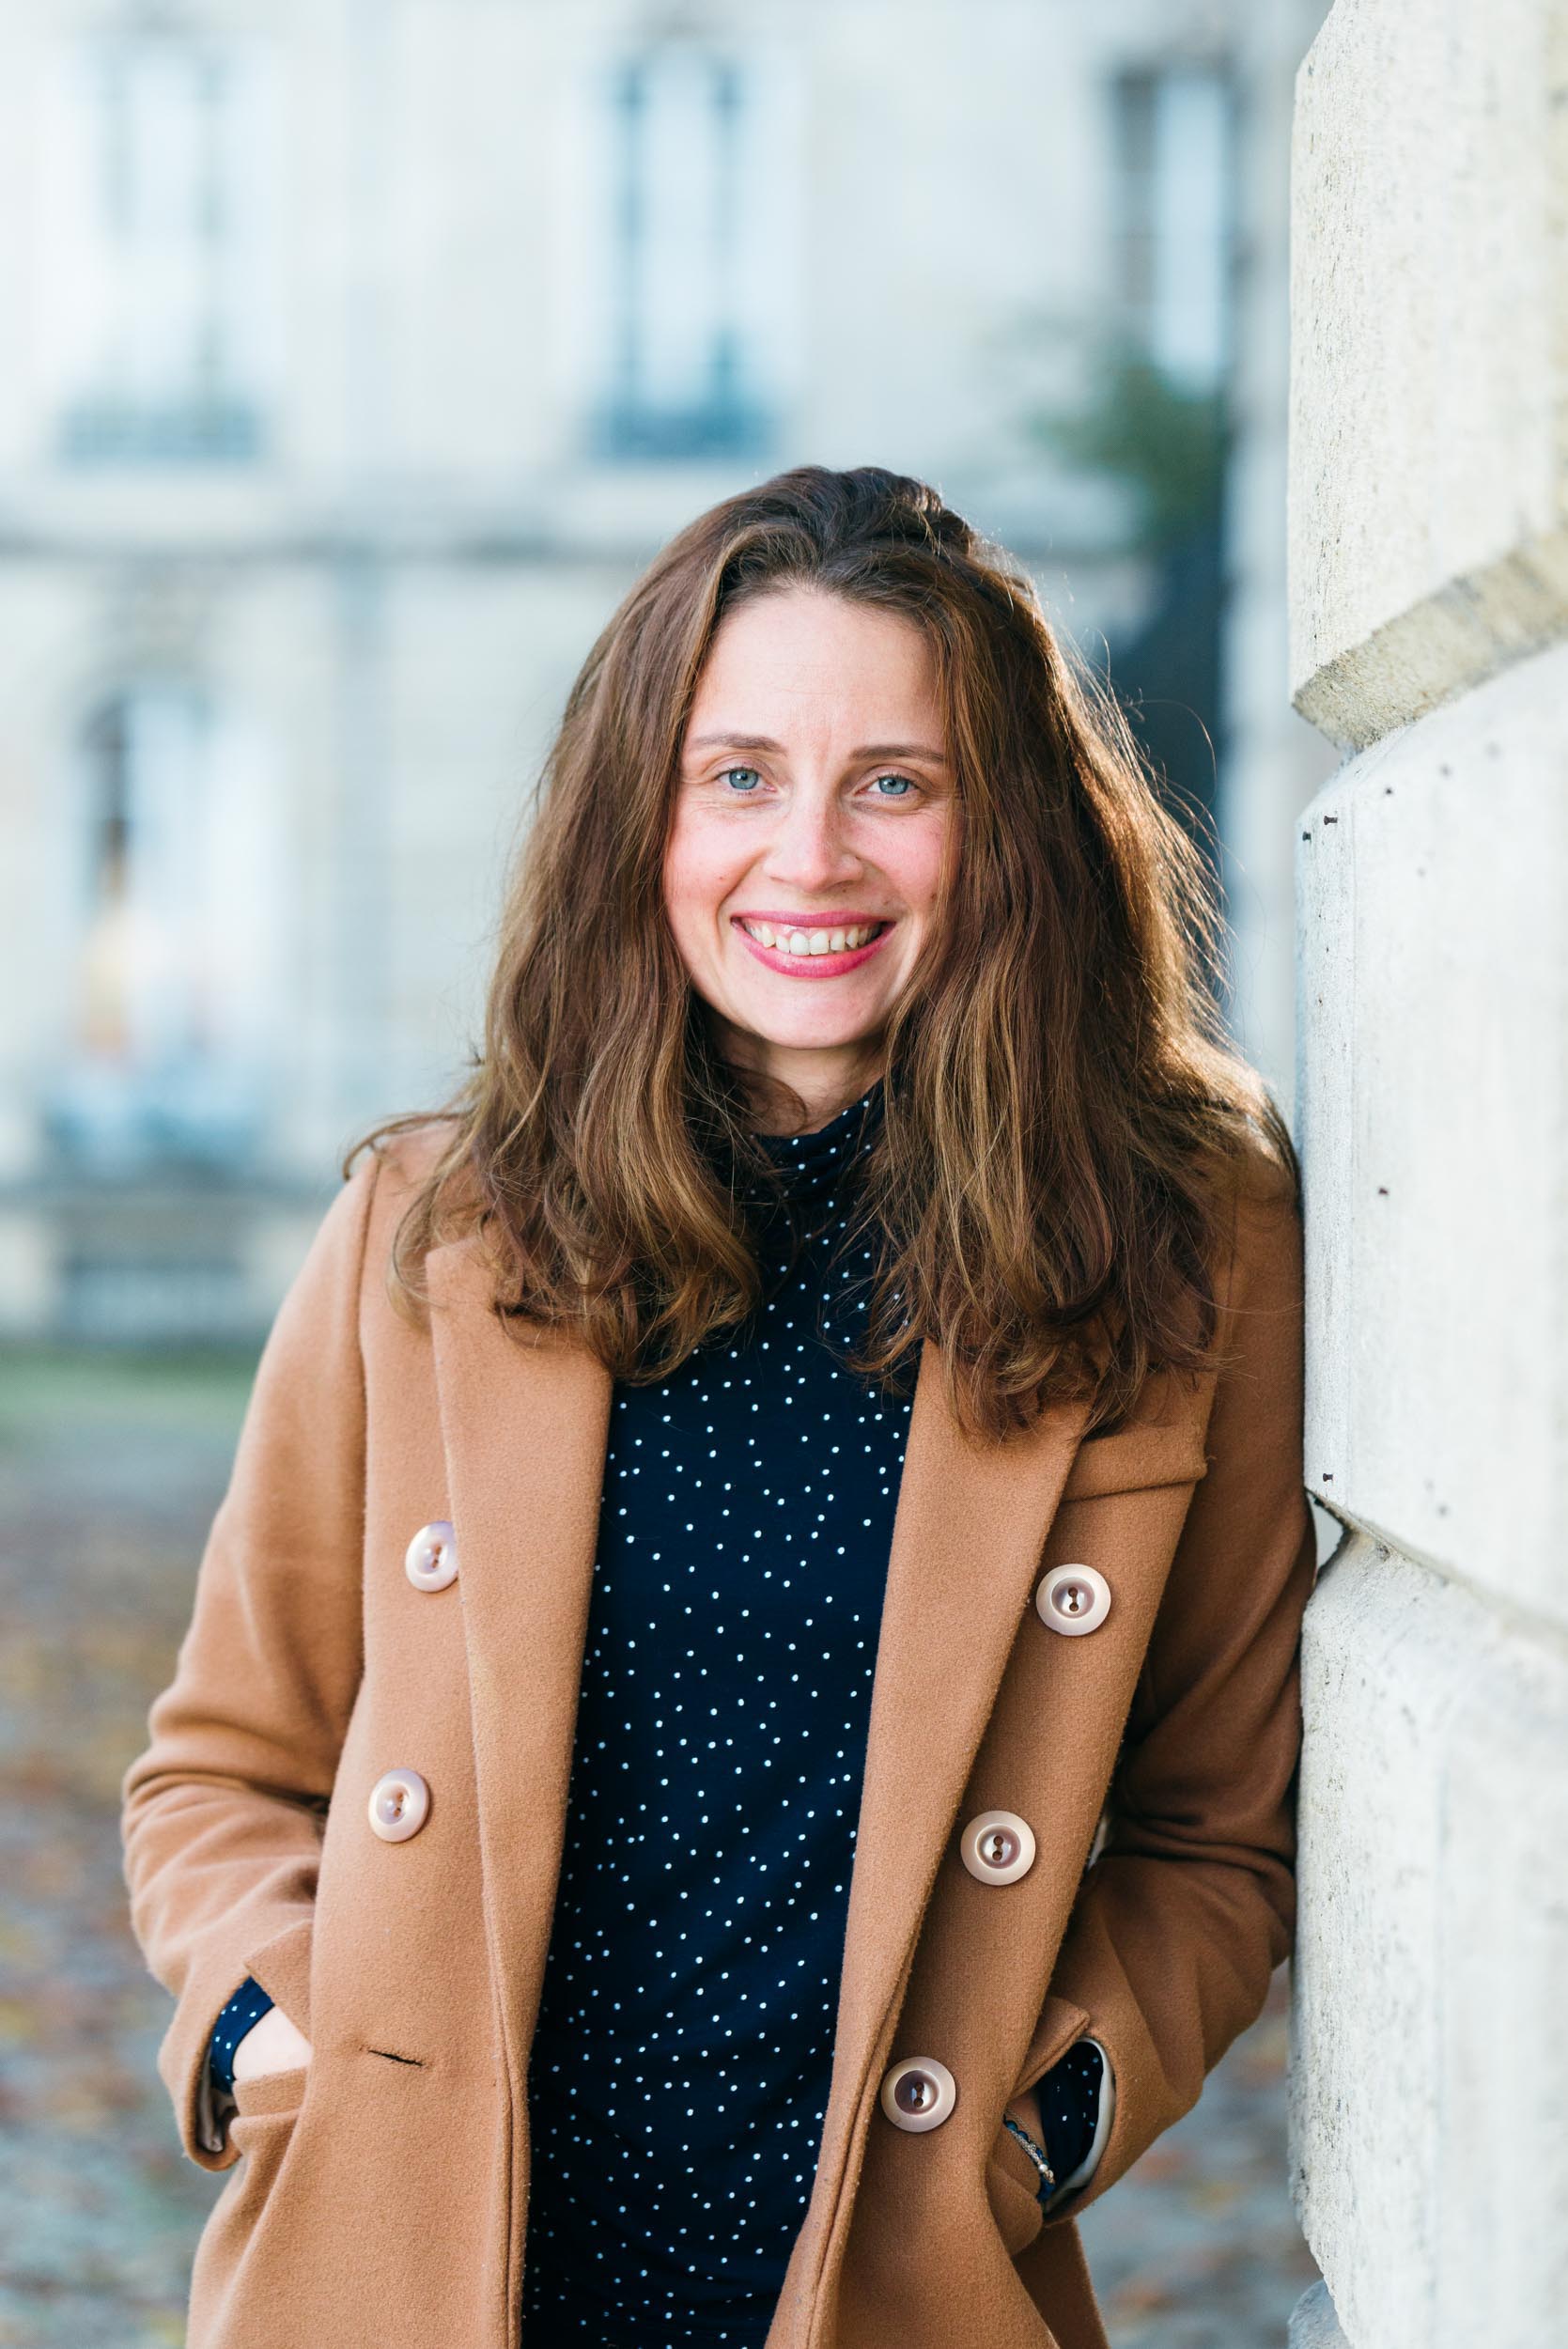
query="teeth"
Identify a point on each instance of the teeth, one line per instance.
(811, 941)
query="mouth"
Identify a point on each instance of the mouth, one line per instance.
(822, 951)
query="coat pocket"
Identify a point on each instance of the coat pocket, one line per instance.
(266, 2108)
(1013, 2190)
(223, 2295)
(1012, 2182)
(266, 2095)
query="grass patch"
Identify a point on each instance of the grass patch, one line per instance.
(55, 1388)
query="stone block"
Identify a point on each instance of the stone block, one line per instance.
(1429, 2057)
(1433, 1120)
(1428, 527)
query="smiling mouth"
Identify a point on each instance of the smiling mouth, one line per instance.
(783, 940)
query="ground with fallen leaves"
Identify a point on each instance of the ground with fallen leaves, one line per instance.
(110, 1470)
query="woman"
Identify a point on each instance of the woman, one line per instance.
(738, 1729)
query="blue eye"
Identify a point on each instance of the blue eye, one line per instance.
(905, 785)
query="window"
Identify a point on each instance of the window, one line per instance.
(694, 164)
(176, 998)
(1173, 135)
(155, 280)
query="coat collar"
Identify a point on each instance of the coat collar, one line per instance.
(525, 1416)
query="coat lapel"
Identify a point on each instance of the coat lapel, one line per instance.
(525, 1421)
(968, 1535)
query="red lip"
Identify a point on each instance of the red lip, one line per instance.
(812, 966)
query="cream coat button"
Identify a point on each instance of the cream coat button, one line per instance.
(919, 2094)
(1073, 1599)
(997, 1847)
(400, 1805)
(430, 1560)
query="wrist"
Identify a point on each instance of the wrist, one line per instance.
(272, 2044)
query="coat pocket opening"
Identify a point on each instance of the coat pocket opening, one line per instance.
(266, 2093)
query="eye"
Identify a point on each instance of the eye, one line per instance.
(906, 786)
(726, 773)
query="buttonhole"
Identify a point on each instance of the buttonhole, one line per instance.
(418, 2062)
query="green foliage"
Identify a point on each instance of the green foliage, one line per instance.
(1140, 426)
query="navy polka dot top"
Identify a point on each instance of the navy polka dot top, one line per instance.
(682, 2055)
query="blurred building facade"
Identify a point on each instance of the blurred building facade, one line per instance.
(359, 356)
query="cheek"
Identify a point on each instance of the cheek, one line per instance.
(701, 866)
(914, 862)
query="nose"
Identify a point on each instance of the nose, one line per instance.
(810, 849)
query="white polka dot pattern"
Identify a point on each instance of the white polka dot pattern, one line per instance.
(684, 2045)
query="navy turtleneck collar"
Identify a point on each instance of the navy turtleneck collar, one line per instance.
(812, 1165)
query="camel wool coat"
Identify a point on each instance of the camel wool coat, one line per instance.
(1096, 1635)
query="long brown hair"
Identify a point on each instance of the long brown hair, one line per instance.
(1065, 1121)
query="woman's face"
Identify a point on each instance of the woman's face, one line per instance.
(814, 798)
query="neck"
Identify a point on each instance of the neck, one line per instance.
(800, 1093)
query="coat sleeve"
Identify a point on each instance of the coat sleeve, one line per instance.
(222, 1815)
(1190, 1904)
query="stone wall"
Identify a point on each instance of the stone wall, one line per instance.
(1429, 625)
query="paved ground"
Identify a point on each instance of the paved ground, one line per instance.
(109, 1474)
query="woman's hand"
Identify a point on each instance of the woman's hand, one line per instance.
(272, 2044)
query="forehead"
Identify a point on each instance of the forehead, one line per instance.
(800, 659)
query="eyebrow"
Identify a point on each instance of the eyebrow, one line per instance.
(865, 750)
